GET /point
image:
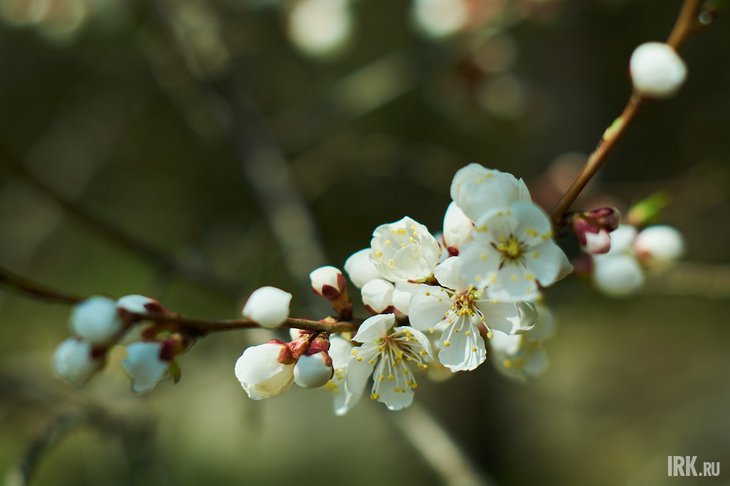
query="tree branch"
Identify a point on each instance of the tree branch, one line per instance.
(686, 24)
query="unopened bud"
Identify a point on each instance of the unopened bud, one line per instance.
(97, 320)
(312, 371)
(377, 295)
(146, 364)
(268, 306)
(657, 70)
(593, 227)
(618, 275)
(328, 282)
(140, 304)
(458, 229)
(659, 245)
(262, 373)
(74, 360)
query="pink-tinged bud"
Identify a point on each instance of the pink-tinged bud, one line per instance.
(262, 373)
(659, 246)
(268, 306)
(320, 343)
(76, 361)
(97, 320)
(312, 371)
(328, 282)
(139, 304)
(593, 227)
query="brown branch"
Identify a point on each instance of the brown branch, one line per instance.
(686, 24)
(204, 326)
(114, 234)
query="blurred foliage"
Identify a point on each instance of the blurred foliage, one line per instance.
(167, 118)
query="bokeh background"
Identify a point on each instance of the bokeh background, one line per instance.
(245, 142)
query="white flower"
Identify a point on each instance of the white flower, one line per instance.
(457, 309)
(327, 282)
(657, 70)
(268, 306)
(477, 190)
(458, 228)
(265, 370)
(145, 365)
(523, 356)
(340, 351)
(385, 354)
(97, 320)
(512, 252)
(402, 295)
(138, 304)
(320, 27)
(75, 362)
(618, 275)
(313, 371)
(360, 268)
(659, 245)
(377, 295)
(618, 272)
(404, 251)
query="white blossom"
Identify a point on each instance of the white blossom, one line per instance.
(313, 371)
(512, 252)
(657, 70)
(360, 268)
(74, 361)
(458, 228)
(97, 320)
(145, 365)
(659, 245)
(327, 281)
(523, 356)
(266, 370)
(404, 251)
(386, 353)
(268, 306)
(477, 190)
(457, 310)
(377, 295)
(340, 351)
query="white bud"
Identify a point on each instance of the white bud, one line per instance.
(96, 319)
(618, 275)
(138, 304)
(268, 306)
(457, 227)
(657, 70)
(360, 268)
(328, 282)
(597, 243)
(73, 361)
(261, 373)
(378, 294)
(145, 365)
(313, 371)
(320, 27)
(659, 245)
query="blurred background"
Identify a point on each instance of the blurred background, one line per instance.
(194, 150)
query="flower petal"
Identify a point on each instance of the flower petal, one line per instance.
(513, 283)
(547, 263)
(429, 307)
(462, 347)
(508, 317)
(374, 327)
(479, 264)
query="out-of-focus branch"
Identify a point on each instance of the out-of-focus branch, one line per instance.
(197, 326)
(438, 448)
(191, 272)
(686, 23)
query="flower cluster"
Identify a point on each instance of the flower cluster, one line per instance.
(437, 304)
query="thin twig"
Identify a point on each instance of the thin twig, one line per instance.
(205, 326)
(686, 24)
(119, 237)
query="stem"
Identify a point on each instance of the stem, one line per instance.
(42, 292)
(686, 24)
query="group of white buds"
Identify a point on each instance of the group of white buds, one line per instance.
(98, 323)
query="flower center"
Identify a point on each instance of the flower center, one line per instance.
(511, 248)
(463, 304)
